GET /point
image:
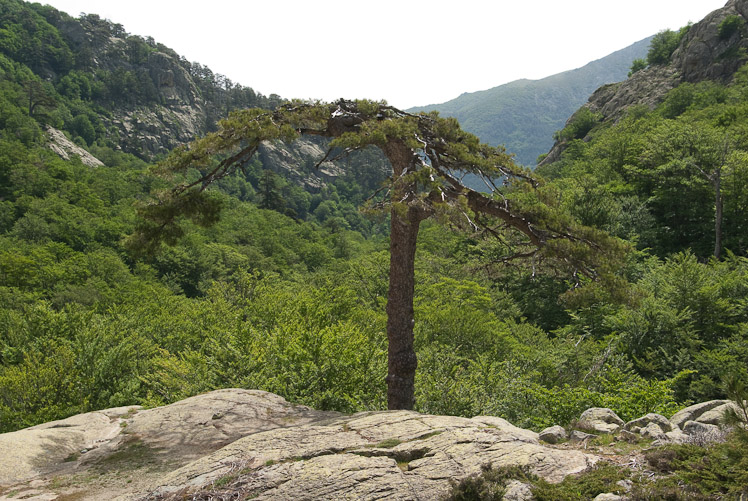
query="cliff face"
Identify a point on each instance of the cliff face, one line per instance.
(705, 55)
(147, 97)
(702, 55)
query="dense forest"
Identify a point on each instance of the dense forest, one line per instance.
(286, 292)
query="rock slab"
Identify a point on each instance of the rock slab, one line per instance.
(259, 445)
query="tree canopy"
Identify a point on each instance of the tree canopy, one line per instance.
(428, 154)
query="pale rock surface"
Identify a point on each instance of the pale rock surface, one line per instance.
(297, 160)
(676, 436)
(374, 455)
(607, 497)
(645, 420)
(716, 415)
(517, 491)
(625, 484)
(553, 434)
(600, 420)
(693, 412)
(162, 439)
(27, 453)
(64, 148)
(653, 432)
(257, 443)
(705, 432)
(630, 436)
(580, 436)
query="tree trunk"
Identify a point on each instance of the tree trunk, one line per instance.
(406, 217)
(401, 355)
(717, 181)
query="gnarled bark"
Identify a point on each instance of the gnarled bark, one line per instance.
(401, 355)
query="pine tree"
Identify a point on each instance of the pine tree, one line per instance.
(427, 154)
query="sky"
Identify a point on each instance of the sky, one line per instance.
(407, 52)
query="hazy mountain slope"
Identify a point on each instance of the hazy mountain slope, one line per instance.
(524, 114)
(705, 53)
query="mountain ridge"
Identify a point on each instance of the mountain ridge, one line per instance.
(523, 114)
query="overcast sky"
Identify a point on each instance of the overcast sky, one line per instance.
(408, 52)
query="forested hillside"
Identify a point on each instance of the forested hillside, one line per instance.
(286, 292)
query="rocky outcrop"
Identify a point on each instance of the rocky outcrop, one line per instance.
(553, 434)
(371, 455)
(694, 412)
(65, 148)
(125, 450)
(298, 162)
(600, 420)
(257, 443)
(638, 424)
(698, 424)
(240, 444)
(702, 55)
(705, 55)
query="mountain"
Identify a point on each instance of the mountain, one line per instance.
(711, 50)
(104, 84)
(286, 293)
(523, 115)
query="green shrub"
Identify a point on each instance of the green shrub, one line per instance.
(580, 124)
(729, 26)
(600, 479)
(663, 45)
(489, 485)
(637, 65)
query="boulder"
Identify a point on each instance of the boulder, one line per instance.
(580, 436)
(553, 434)
(693, 412)
(600, 420)
(653, 432)
(607, 497)
(630, 436)
(701, 434)
(676, 436)
(716, 415)
(626, 485)
(637, 424)
(517, 491)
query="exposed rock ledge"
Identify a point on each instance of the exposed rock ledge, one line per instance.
(275, 449)
(64, 147)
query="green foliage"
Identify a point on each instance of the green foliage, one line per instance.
(580, 124)
(601, 478)
(663, 45)
(729, 26)
(637, 65)
(712, 472)
(489, 485)
(491, 482)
